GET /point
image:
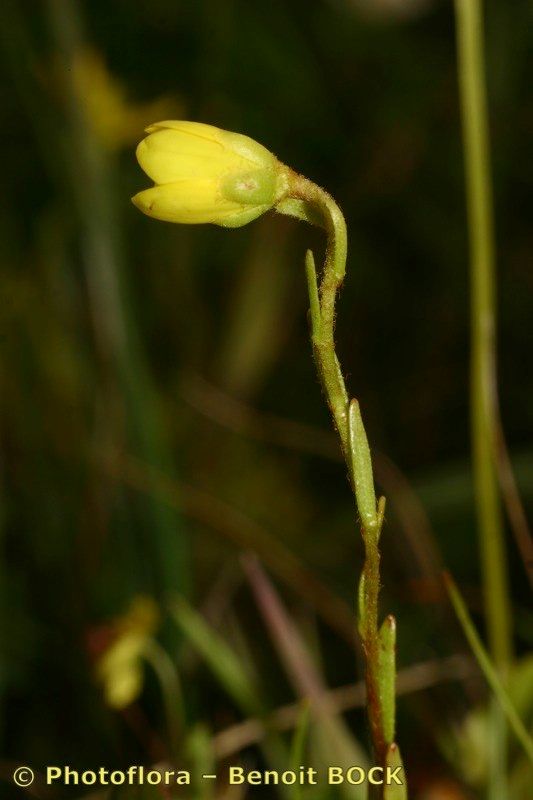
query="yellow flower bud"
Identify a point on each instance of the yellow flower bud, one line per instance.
(204, 174)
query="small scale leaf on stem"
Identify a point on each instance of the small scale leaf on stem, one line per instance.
(361, 467)
(361, 605)
(314, 300)
(387, 676)
(394, 763)
(302, 210)
(382, 505)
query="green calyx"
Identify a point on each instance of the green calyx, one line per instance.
(257, 188)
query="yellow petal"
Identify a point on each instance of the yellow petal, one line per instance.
(188, 201)
(199, 129)
(168, 156)
(177, 150)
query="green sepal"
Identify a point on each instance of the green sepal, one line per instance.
(240, 218)
(257, 188)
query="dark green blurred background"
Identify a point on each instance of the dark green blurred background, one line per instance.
(161, 411)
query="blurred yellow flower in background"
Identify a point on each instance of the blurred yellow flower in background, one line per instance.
(205, 174)
(114, 119)
(120, 667)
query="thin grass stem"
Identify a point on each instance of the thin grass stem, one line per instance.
(488, 669)
(484, 407)
(483, 325)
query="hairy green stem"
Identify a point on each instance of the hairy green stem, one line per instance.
(323, 331)
(350, 428)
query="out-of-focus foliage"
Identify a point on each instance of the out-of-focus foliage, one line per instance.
(161, 413)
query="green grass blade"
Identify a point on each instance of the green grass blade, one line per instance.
(220, 658)
(200, 751)
(298, 746)
(487, 667)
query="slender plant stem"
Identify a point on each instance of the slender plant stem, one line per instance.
(484, 419)
(323, 329)
(372, 645)
(322, 306)
(483, 311)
